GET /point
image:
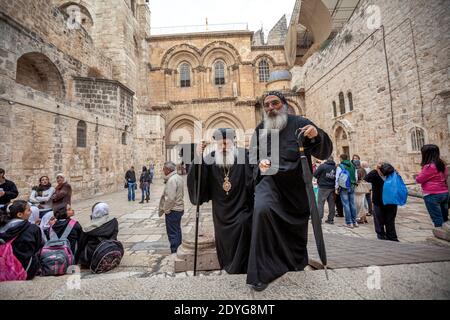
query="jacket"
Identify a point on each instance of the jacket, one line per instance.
(45, 200)
(326, 175)
(62, 196)
(92, 238)
(130, 176)
(27, 245)
(173, 195)
(10, 190)
(433, 181)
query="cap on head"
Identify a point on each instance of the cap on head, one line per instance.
(224, 133)
(276, 94)
(100, 210)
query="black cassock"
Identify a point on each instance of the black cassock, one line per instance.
(281, 211)
(232, 213)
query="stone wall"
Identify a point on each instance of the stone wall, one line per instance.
(398, 74)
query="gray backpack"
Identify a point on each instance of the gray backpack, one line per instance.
(56, 255)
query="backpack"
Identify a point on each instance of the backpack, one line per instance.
(56, 255)
(10, 267)
(106, 256)
(344, 179)
(394, 190)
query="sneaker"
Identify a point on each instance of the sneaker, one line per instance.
(446, 226)
(356, 225)
(350, 226)
(329, 222)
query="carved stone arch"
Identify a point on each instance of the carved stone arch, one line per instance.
(229, 52)
(225, 117)
(298, 110)
(36, 70)
(342, 137)
(266, 57)
(184, 49)
(87, 13)
(185, 122)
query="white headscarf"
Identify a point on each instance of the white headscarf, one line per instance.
(100, 210)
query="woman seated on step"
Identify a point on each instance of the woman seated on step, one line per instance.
(101, 227)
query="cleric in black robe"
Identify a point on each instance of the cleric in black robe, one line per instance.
(227, 181)
(281, 211)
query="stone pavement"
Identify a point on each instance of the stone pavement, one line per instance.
(148, 264)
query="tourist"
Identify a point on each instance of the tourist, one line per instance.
(384, 215)
(232, 204)
(130, 178)
(41, 197)
(14, 225)
(63, 216)
(368, 202)
(355, 158)
(326, 177)
(100, 228)
(8, 190)
(433, 179)
(281, 212)
(171, 205)
(63, 193)
(144, 184)
(361, 190)
(345, 186)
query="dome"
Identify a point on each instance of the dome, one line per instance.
(280, 75)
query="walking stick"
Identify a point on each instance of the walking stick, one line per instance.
(197, 215)
(315, 218)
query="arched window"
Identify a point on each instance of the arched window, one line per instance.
(81, 134)
(264, 71)
(219, 73)
(124, 138)
(417, 139)
(341, 103)
(185, 75)
(350, 100)
(334, 109)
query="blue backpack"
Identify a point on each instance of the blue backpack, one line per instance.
(394, 190)
(344, 180)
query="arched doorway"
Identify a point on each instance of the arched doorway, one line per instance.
(180, 136)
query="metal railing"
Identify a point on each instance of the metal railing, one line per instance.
(199, 28)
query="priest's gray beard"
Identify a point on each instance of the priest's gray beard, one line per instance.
(278, 120)
(226, 158)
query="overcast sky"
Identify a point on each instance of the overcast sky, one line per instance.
(194, 12)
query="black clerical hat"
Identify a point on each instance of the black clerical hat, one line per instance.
(224, 133)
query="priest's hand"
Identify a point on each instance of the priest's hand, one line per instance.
(201, 148)
(264, 165)
(310, 131)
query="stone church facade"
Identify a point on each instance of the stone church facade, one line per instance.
(89, 91)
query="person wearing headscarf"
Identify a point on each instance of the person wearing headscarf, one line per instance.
(281, 212)
(226, 181)
(101, 227)
(63, 193)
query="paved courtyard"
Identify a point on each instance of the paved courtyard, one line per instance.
(148, 264)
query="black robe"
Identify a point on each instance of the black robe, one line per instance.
(281, 211)
(232, 213)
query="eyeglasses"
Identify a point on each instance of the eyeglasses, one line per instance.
(275, 103)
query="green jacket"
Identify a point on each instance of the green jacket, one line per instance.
(351, 170)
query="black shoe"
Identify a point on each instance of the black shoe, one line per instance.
(142, 202)
(259, 286)
(329, 222)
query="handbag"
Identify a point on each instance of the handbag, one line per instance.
(126, 185)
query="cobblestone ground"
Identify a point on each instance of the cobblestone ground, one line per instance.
(144, 236)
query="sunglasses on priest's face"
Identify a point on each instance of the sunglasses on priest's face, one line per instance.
(274, 103)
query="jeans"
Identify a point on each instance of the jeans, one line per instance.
(437, 206)
(348, 202)
(173, 228)
(145, 191)
(326, 195)
(384, 221)
(131, 191)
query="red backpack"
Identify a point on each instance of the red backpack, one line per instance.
(10, 267)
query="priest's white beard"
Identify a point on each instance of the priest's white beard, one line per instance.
(226, 158)
(277, 121)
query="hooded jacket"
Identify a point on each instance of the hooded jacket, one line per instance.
(27, 245)
(326, 175)
(91, 239)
